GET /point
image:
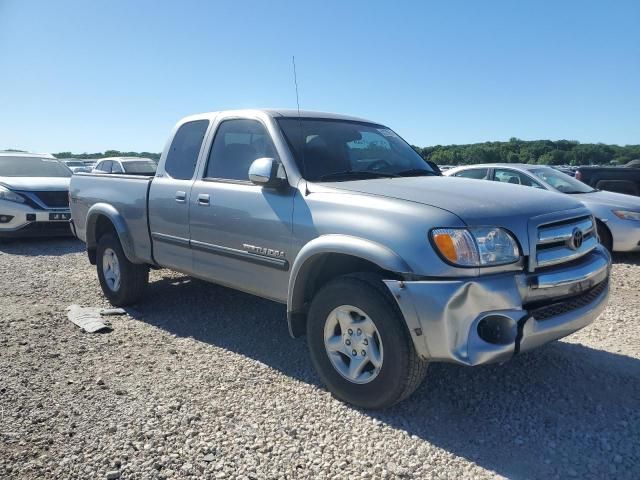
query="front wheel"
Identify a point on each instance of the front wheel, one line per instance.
(360, 345)
(122, 281)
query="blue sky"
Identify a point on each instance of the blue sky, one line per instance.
(96, 75)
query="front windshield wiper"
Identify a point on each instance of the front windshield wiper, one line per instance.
(416, 172)
(579, 191)
(352, 174)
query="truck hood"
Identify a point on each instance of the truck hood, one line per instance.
(610, 199)
(36, 184)
(475, 202)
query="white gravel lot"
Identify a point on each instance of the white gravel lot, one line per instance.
(205, 382)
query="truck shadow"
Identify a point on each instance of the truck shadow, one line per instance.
(565, 409)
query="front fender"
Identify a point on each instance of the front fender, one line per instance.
(306, 259)
(120, 225)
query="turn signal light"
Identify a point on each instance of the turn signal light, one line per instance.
(446, 246)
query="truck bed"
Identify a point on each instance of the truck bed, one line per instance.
(123, 195)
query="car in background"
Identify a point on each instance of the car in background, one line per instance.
(75, 165)
(617, 215)
(34, 195)
(126, 165)
(625, 179)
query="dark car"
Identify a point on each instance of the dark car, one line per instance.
(614, 179)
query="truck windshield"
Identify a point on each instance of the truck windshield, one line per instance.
(32, 167)
(338, 150)
(561, 181)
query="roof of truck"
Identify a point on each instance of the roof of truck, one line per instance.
(281, 112)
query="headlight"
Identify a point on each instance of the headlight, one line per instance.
(627, 215)
(6, 194)
(476, 247)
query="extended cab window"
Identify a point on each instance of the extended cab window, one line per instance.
(183, 154)
(477, 173)
(236, 145)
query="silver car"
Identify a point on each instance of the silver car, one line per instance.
(34, 195)
(126, 165)
(76, 166)
(617, 215)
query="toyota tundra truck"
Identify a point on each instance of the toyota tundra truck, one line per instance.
(383, 264)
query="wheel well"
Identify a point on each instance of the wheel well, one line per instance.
(102, 226)
(604, 226)
(318, 272)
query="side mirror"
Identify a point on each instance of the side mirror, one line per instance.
(267, 172)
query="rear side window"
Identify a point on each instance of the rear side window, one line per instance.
(236, 145)
(183, 153)
(511, 176)
(104, 166)
(477, 173)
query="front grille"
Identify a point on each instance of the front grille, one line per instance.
(545, 312)
(47, 200)
(54, 199)
(564, 241)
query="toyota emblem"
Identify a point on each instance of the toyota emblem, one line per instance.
(576, 239)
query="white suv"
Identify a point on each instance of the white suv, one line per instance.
(34, 195)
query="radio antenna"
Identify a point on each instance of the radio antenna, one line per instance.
(295, 81)
(302, 137)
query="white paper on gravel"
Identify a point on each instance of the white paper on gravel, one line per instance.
(90, 318)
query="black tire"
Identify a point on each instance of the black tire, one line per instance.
(133, 277)
(605, 236)
(402, 371)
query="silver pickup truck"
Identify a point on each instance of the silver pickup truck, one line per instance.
(383, 264)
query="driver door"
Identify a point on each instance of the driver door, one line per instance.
(241, 232)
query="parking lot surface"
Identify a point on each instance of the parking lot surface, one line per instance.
(200, 381)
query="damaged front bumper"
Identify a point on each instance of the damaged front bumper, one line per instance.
(490, 318)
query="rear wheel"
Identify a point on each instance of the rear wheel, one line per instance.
(122, 281)
(360, 345)
(605, 236)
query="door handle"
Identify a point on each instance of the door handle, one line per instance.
(181, 196)
(203, 199)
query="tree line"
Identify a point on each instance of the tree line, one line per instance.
(545, 152)
(108, 153)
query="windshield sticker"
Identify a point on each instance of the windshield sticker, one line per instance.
(386, 132)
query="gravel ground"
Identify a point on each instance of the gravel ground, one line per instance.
(204, 382)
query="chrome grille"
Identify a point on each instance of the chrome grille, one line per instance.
(564, 241)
